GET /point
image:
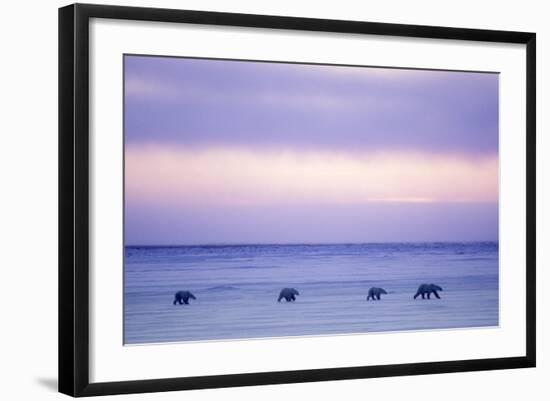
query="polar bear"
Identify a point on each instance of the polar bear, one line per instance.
(289, 294)
(182, 297)
(427, 289)
(374, 293)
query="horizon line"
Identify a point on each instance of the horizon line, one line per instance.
(220, 244)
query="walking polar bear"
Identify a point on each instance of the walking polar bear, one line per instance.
(427, 289)
(182, 297)
(289, 294)
(374, 293)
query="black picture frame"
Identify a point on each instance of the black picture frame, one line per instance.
(74, 193)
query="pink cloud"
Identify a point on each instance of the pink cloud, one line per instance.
(238, 176)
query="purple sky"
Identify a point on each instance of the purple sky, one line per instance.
(191, 113)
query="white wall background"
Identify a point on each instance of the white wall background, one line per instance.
(28, 206)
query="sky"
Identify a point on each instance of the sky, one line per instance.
(221, 151)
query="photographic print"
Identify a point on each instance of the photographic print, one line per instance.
(271, 199)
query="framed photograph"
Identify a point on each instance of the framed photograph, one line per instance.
(251, 199)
